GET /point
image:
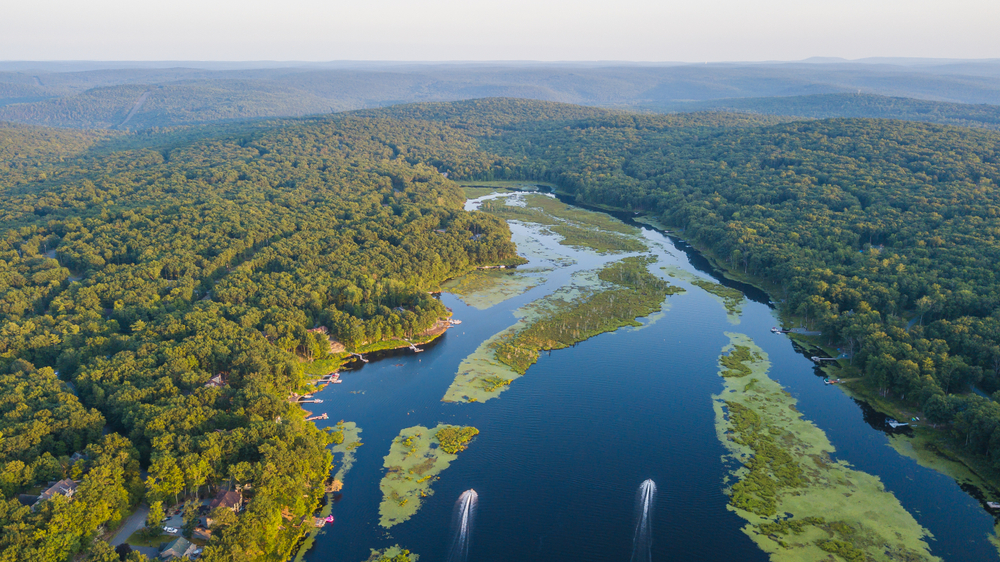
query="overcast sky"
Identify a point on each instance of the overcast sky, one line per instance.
(636, 30)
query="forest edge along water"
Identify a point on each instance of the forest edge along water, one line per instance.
(564, 403)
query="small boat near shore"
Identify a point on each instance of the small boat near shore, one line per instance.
(894, 424)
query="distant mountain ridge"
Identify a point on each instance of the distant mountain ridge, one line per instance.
(103, 97)
(820, 106)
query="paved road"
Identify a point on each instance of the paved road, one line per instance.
(134, 522)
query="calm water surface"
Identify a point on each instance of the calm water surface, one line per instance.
(561, 454)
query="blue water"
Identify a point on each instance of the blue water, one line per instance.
(561, 453)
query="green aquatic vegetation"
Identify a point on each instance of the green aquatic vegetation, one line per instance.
(392, 554)
(502, 209)
(470, 382)
(347, 438)
(598, 240)
(454, 439)
(416, 458)
(732, 299)
(735, 361)
(483, 289)
(800, 505)
(557, 208)
(492, 383)
(594, 312)
(578, 227)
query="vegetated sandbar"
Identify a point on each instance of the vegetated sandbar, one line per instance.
(593, 303)
(481, 376)
(731, 299)
(801, 505)
(631, 292)
(415, 459)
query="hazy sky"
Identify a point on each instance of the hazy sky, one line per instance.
(640, 30)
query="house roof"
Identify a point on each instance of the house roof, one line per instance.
(175, 548)
(63, 487)
(230, 499)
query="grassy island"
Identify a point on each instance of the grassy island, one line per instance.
(634, 293)
(415, 459)
(799, 504)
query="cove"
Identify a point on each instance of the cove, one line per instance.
(561, 452)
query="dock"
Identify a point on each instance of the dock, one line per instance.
(359, 356)
(328, 378)
(322, 416)
(414, 348)
(818, 359)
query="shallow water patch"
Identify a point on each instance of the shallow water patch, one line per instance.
(487, 288)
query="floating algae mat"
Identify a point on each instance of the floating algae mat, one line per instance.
(799, 504)
(415, 459)
(392, 554)
(349, 436)
(487, 288)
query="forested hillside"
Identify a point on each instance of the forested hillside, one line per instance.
(137, 267)
(138, 275)
(820, 106)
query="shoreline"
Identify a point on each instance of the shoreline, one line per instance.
(932, 441)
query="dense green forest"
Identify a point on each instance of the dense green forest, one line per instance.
(135, 267)
(137, 275)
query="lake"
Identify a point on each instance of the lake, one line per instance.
(561, 453)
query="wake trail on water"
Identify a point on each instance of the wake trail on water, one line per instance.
(465, 513)
(642, 542)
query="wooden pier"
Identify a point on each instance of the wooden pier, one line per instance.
(322, 416)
